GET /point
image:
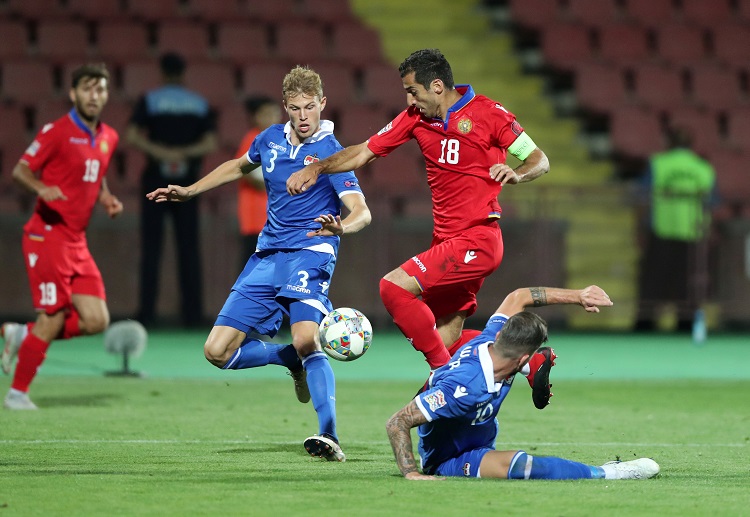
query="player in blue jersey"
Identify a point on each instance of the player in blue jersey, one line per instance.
(290, 272)
(456, 416)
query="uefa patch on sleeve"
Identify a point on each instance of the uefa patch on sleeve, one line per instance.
(33, 148)
(435, 400)
(516, 128)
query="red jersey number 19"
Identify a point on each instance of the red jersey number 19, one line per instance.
(92, 171)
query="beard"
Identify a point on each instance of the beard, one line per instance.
(81, 110)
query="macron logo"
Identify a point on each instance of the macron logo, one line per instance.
(460, 392)
(470, 255)
(33, 257)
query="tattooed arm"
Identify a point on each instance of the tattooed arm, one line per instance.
(399, 433)
(590, 298)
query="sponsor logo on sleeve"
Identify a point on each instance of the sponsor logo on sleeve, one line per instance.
(33, 257)
(470, 255)
(516, 128)
(460, 392)
(435, 400)
(47, 127)
(420, 265)
(467, 469)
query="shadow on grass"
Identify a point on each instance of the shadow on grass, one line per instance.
(92, 400)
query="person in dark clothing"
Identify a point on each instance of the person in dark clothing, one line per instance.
(175, 128)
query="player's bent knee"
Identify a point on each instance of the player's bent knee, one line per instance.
(216, 353)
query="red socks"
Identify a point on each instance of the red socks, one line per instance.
(30, 357)
(466, 336)
(416, 322)
(71, 328)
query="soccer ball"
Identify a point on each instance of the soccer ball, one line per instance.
(345, 334)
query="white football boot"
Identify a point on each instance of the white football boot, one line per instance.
(18, 400)
(324, 446)
(642, 468)
(13, 334)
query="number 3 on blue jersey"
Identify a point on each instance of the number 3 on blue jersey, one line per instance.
(271, 162)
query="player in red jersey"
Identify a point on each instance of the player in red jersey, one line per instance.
(65, 167)
(464, 138)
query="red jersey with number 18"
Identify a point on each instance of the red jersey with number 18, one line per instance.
(67, 154)
(458, 153)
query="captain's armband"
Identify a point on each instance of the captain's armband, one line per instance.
(522, 147)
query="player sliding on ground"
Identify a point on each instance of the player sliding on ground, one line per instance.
(456, 415)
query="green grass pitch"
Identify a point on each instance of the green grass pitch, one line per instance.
(191, 440)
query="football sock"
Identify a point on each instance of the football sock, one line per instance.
(30, 357)
(416, 321)
(466, 336)
(322, 386)
(525, 466)
(254, 353)
(72, 327)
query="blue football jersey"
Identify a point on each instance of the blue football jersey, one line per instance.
(463, 402)
(290, 218)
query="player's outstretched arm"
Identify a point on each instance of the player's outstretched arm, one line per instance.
(359, 217)
(228, 171)
(349, 159)
(590, 298)
(398, 428)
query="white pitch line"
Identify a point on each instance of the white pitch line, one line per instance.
(349, 442)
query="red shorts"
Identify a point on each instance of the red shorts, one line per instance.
(57, 269)
(451, 272)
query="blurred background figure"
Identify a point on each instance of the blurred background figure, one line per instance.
(175, 128)
(262, 112)
(673, 263)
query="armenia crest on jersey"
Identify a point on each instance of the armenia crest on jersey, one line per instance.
(465, 125)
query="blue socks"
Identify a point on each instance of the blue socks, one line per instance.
(524, 466)
(254, 353)
(322, 387)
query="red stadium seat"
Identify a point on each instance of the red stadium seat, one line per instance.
(338, 83)
(300, 42)
(264, 78)
(383, 87)
(152, 10)
(15, 39)
(27, 81)
(732, 176)
(566, 45)
(278, 11)
(732, 43)
(112, 34)
(13, 126)
(535, 13)
(623, 44)
(659, 86)
(139, 77)
(715, 87)
(358, 123)
(739, 129)
(62, 40)
(681, 43)
(232, 124)
(327, 11)
(703, 126)
(215, 81)
(97, 10)
(706, 14)
(593, 12)
(36, 9)
(216, 10)
(636, 132)
(600, 87)
(189, 39)
(650, 13)
(356, 43)
(49, 110)
(242, 42)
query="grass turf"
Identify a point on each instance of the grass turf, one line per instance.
(231, 445)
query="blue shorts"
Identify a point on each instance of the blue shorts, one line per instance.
(465, 465)
(272, 284)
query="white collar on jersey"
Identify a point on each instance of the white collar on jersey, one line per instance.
(489, 372)
(325, 129)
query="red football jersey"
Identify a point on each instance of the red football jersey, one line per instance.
(458, 155)
(65, 153)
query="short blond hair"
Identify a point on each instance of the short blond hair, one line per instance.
(302, 80)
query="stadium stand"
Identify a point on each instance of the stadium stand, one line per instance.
(26, 81)
(15, 39)
(188, 38)
(242, 42)
(111, 34)
(622, 43)
(681, 43)
(300, 42)
(60, 40)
